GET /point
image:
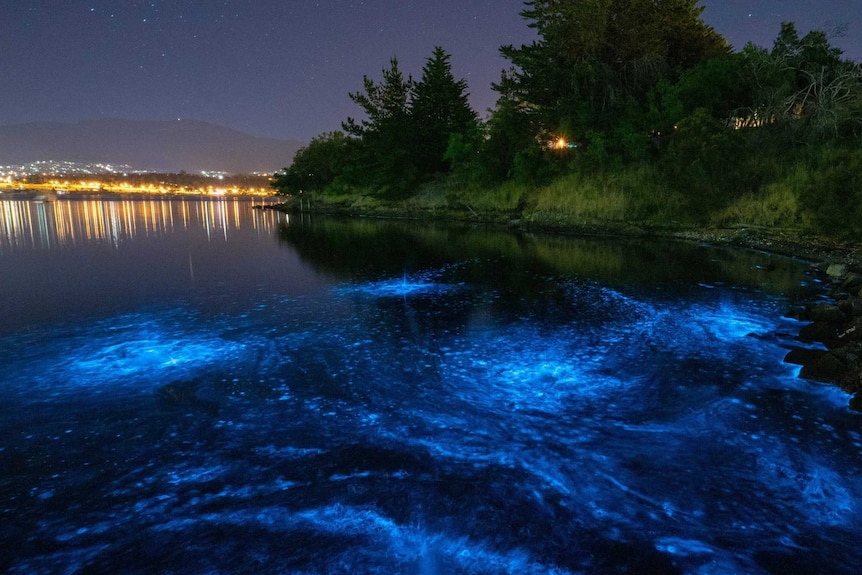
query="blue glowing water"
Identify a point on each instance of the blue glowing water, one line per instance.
(440, 419)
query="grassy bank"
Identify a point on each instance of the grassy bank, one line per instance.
(782, 216)
(632, 196)
(635, 202)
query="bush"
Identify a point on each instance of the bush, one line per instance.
(707, 161)
(776, 206)
(632, 194)
(535, 166)
(318, 164)
(832, 192)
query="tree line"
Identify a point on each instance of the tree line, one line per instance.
(400, 143)
(610, 84)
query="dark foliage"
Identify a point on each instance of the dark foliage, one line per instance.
(833, 192)
(609, 84)
(317, 166)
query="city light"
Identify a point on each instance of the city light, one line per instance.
(114, 222)
(57, 178)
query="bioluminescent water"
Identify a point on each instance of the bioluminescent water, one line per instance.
(360, 397)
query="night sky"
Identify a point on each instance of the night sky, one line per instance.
(283, 68)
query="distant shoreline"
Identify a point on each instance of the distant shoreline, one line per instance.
(64, 193)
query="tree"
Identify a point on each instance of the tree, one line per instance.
(316, 166)
(464, 155)
(439, 109)
(386, 132)
(596, 61)
(802, 90)
(408, 125)
(707, 160)
(511, 128)
(719, 85)
(816, 84)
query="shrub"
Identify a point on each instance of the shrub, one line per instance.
(776, 206)
(832, 192)
(707, 161)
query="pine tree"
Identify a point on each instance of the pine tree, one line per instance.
(386, 133)
(439, 109)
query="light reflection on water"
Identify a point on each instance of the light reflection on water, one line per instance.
(430, 421)
(27, 224)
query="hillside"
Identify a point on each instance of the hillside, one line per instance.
(164, 146)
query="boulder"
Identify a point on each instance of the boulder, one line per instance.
(827, 369)
(852, 281)
(837, 270)
(850, 306)
(826, 312)
(804, 356)
(849, 354)
(819, 331)
(850, 332)
(799, 313)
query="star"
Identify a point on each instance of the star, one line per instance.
(74, 54)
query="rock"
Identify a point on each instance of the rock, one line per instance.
(851, 306)
(827, 369)
(838, 326)
(846, 306)
(850, 332)
(819, 331)
(836, 270)
(826, 312)
(798, 313)
(852, 281)
(849, 353)
(804, 356)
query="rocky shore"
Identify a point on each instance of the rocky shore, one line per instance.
(836, 326)
(830, 349)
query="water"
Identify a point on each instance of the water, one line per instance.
(194, 386)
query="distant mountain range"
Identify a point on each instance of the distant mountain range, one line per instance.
(161, 146)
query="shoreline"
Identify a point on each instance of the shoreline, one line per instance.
(817, 250)
(836, 325)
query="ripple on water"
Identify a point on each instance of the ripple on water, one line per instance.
(630, 432)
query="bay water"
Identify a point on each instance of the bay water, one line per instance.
(196, 385)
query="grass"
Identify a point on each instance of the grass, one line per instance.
(777, 206)
(588, 199)
(505, 198)
(634, 195)
(791, 193)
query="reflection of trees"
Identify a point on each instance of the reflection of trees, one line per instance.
(509, 261)
(344, 248)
